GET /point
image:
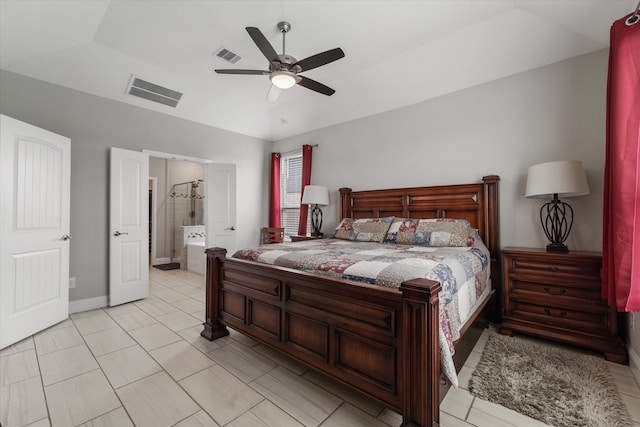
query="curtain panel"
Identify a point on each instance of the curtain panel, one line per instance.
(307, 152)
(621, 213)
(274, 192)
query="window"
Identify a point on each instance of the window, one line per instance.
(290, 192)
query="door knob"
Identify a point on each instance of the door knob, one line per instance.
(232, 228)
(117, 233)
(66, 237)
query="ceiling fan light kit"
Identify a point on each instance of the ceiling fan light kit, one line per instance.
(283, 79)
(284, 69)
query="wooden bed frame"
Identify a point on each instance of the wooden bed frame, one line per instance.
(381, 342)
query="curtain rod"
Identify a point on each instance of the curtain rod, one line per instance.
(633, 19)
(297, 149)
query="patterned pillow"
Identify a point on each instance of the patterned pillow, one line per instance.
(363, 229)
(429, 232)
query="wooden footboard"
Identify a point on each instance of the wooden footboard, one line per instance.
(381, 342)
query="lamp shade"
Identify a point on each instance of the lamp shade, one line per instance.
(315, 195)
(565, 178)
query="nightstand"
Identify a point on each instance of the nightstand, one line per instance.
(301, 238)
(557, 296)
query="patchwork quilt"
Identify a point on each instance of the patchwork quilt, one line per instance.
(463, 273)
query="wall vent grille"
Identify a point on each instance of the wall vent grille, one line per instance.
(227, 55)
(153, 92)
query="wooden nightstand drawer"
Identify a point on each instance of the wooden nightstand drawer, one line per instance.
(561, 317)
(556, 269)
(554, 289)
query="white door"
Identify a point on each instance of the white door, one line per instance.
(34, 229)
(221, 206)
(128, 226)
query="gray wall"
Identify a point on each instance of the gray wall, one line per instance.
(94, 125)
(551, 113)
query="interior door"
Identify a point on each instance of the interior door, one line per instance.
(35, 169)
(128, 226)
(221, 206)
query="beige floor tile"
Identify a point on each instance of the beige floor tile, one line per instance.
(180, 359)
(18, 367)
(240, 337)
(199, 419)
(192, 336)
(265, 414)
(64, 324)
(348, 415)
(93, 321)
(119, 310)
(292, 365)
(616, 368)
(167, 295)
(25, 344)
(51, 340)
(134, 320)
(242, 361)
(473, 360)
(391, 417)
(222, 395)
(63, 364)
(447, 420)
(487, 414)
(115, 418)
(189, 305)
(178, 320)
(155, 307)
(108, 341)
(626, 384)
(154, 336)
(301, 399)
(356, 399)
(156, 401)
(464, 376)
(127, 365)
(633, 405)
(457, 402)
(41, 423)
(22, 403)
(80, 399)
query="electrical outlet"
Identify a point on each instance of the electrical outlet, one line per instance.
(72, 282)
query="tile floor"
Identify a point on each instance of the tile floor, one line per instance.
(144, 364)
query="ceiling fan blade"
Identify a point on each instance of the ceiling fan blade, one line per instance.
(320, 59)
(316, 86)
(274, 93)
(263, 44)
(259, 72)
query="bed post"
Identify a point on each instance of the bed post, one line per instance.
(345, 202)
(212, 327)
(421, 352)
(492, 240)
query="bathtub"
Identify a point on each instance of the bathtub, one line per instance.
(196, 258)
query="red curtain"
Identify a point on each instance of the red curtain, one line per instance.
(621, 215)
(274, 193)
(307, 152)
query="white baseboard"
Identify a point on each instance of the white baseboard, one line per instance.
(634, 364)
(87, 304)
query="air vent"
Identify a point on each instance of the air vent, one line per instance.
(153, 92)
(227, 55)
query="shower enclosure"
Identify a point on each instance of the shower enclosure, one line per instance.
(187, 217)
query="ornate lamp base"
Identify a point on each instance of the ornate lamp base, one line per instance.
(557, 219)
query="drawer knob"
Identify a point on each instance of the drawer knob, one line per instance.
(548, 311)
(553, 268)
(560, 292)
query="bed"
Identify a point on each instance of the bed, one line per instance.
(381, 341)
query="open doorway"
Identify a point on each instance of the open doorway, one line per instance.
(177, 189)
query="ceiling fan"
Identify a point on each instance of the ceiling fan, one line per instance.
(284, 69)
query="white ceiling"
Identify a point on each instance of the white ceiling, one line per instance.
(397, 52)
